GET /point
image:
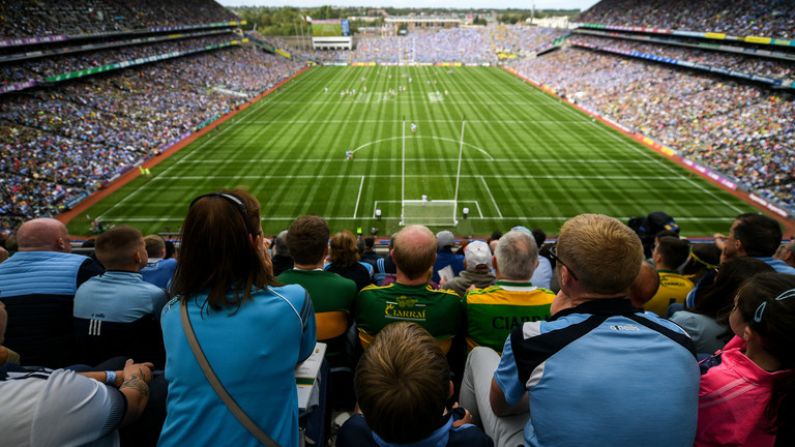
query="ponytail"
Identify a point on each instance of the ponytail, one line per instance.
(767, 303)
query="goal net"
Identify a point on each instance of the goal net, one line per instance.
(429, 212)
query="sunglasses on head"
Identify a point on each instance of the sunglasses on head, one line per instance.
(240, 206)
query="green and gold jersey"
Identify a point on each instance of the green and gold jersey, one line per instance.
(441, 312)
(493, 312)
(332, 298)
(329, 291)
(673, 289)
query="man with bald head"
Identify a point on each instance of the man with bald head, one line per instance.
(37, 286)
(410, 297)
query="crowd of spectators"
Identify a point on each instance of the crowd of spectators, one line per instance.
(408, 346)
(769, 18)
(747, 64)
(20, 18)
(467, 45)
(478, 44)
(132, 347)
(45, 67)
(64, 142)
(523, 40)
(741, 130)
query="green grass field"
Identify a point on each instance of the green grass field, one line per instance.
(327, 29)
(527, 159)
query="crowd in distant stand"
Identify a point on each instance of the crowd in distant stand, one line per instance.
(522, 40)
(45, 67)
(19, 18)
(467, 45)
(770, 18)
(743, 131)
(61, 143)
(754, 65)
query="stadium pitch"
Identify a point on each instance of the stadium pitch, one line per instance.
(526, 159)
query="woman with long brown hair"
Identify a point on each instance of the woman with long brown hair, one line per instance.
(344, 257)
(251, 331)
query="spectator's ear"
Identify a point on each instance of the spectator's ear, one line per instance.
(452, 390)
(140, 260)
(748, 334)
(257, 241)
(738, 247)
(655, 256)
(63, 245)
(565, 277)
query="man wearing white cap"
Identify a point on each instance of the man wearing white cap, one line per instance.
(477, 257)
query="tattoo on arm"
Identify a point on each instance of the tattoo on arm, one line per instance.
(135, 382)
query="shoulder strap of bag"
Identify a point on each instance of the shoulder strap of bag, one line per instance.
(230, 403)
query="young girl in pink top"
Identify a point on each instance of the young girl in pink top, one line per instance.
(749, 399)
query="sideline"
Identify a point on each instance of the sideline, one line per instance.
(787, 223)
(133, 173)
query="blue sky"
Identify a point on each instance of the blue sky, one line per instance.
(495, 4)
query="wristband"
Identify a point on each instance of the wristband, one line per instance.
(110, 377)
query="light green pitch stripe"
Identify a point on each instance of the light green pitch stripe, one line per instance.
(299, 200)
(573, 201)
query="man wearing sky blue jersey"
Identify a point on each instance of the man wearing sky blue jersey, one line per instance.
(598, 372)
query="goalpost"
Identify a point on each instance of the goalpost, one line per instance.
(433, 211)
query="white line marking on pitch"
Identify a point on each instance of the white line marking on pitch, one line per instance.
(143, 187)
(358, 197)
(521, 218)
(377, 159)
(481, 150)
(665, 164)
(477, 205)
(508, 176)
(493, 201)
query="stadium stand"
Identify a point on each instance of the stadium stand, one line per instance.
(464, 45)
(51, 17)
(734, 62)
(742, 130)
(772, 18)
(63, 141)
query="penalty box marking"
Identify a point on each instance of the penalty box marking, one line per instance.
(477, 205)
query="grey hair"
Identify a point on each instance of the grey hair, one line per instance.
(516, 255)
(280, 244)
